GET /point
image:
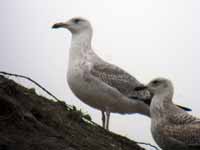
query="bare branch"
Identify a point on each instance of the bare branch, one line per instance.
(36, 83)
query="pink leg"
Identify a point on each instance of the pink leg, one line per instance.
(103, 119)
(107, 119)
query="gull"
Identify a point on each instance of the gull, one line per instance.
(97, 83)
(172, 128)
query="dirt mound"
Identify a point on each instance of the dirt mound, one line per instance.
(32, 122)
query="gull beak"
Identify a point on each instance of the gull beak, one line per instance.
(147, 101)
(60, 25)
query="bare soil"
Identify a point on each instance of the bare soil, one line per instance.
(32, 122)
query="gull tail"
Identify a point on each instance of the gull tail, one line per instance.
(148, 102)
(144, 95)
(184, 108)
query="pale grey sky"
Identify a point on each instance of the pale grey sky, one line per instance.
(148, 38)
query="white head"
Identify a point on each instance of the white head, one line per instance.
(162, 91)
(75, 25)
(161, 86)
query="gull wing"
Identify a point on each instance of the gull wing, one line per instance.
(184, 134)
(120, 80)
(182, 118)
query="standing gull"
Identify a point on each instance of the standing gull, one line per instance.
(171, 127)
(97, 83)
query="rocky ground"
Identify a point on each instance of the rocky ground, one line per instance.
(32, 122)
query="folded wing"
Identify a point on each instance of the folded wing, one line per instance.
(120, 80)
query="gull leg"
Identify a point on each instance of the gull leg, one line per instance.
(103, 119)
(107, 119)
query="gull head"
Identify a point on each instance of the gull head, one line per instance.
(161, 86)
(75, 25)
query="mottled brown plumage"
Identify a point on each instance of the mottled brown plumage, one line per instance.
(172, 127)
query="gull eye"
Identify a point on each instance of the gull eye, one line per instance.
(76, 21)
(156, 82)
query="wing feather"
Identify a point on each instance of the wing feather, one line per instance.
(120, 80)
(187, 134)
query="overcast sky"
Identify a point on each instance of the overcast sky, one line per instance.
(148, 38)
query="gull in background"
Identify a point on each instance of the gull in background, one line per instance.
(97, 83)
(172, 128)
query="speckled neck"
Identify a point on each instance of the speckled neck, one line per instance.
(81, 44)
(160, 103)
